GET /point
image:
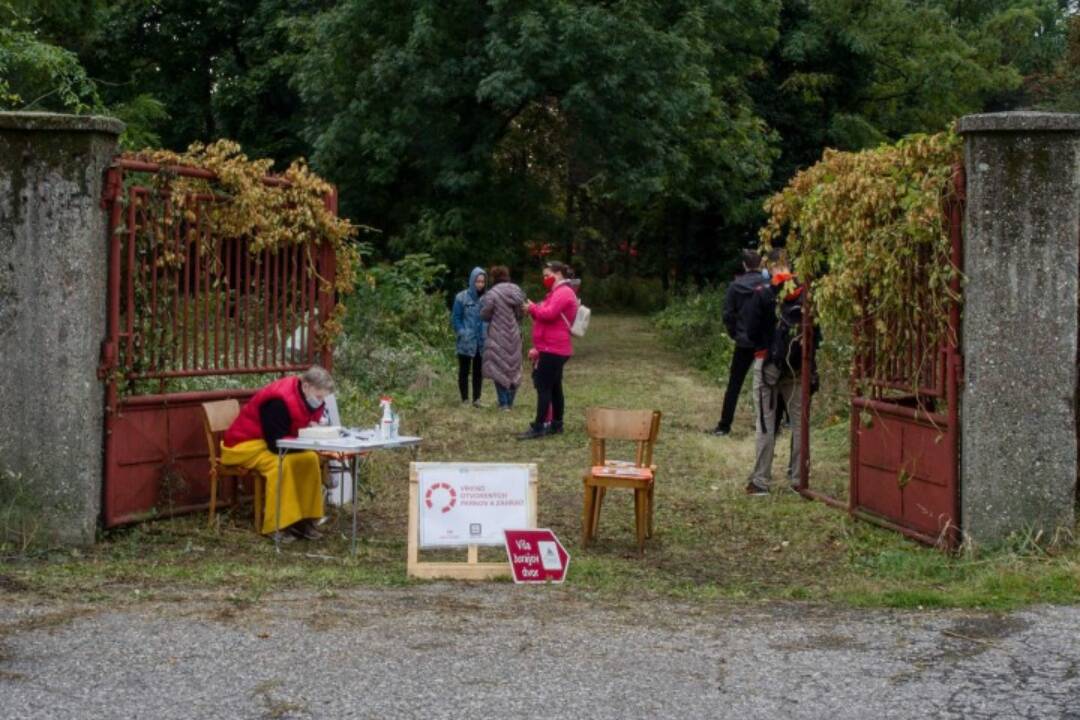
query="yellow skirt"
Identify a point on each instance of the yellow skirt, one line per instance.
(301, 481)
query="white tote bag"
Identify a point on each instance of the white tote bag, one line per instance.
(580, 326)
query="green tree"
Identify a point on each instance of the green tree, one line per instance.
(36, 74)
(217, 68)
(452, 125)
(632, 137)
(854, 73)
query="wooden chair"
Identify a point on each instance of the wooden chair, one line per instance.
(639, 475)
(217, 417)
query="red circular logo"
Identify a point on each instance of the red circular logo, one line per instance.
(441, 486)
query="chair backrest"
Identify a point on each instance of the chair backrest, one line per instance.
(217, 417)
(641, 426)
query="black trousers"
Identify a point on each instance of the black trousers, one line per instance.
(476, 363)
(741, 362)
(549, 390)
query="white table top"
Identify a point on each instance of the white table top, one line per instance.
(352, 443)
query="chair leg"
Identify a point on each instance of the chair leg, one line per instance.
(587, 515)
(649, 530)
(213, 498)
(600, 492)
(641, 509)
(639, 499)
(259, 484)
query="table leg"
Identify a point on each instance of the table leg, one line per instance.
(355, 498)
(277, 499)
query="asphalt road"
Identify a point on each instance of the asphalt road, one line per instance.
(499, 651)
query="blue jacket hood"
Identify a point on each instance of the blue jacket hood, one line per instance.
(476, 272)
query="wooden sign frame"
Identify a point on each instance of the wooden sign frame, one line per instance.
(472, 568)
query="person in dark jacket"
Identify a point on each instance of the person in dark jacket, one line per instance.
(471, 332)
(777, 371)
(737, 302)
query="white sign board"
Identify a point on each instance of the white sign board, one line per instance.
(470, 504)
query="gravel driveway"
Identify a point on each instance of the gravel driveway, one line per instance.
(499, 651)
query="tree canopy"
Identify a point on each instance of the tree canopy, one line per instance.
(634, 136)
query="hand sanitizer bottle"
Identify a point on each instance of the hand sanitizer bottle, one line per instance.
(386, 425)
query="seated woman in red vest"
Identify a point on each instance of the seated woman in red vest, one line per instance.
(278, 411)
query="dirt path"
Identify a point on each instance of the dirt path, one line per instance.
(709, 537)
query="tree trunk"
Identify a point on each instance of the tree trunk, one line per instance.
(572, 223)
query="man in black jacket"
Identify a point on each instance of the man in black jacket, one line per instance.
(736, 305)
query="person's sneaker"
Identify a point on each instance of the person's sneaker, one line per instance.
(555, 428)
(477, 404)
(532, 433)
(752, 489)
(719, 431)
(507, 408)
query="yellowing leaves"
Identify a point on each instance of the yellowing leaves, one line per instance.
(868, 231)
(289, 209)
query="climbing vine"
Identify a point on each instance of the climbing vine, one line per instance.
(292, 212)
(869, 230)
(272, 215)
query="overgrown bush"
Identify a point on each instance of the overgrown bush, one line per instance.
(694, 323)
(619, 294)
(396, 339)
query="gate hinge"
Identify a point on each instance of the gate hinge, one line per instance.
(108, 359)
(111, 189)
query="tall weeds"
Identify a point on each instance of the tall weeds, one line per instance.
(397, 338)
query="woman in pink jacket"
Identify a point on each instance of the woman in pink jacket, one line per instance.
(551, 338)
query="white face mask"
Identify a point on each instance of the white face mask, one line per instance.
(309, 397)
(765, 273)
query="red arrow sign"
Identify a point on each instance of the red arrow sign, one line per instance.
(536, 556)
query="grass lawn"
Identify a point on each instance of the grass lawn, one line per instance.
(711, 542)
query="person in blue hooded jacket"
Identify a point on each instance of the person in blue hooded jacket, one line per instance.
(471, 331)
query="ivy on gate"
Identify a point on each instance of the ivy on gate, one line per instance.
(857, 223)
(272, 215)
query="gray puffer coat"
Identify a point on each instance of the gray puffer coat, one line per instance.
(502, 309)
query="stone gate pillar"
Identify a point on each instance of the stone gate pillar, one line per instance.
(1018, 463)
(53, 270)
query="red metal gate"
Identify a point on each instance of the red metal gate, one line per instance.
(192, 317)
(905, 428)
